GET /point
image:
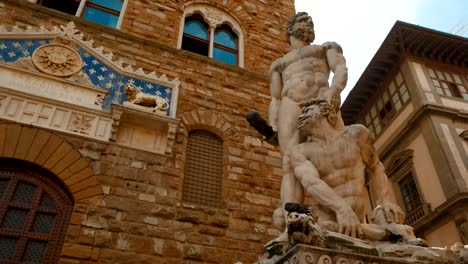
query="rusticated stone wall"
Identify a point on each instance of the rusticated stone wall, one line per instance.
(139, 217)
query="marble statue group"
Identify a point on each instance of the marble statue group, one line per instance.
(327, 161)
(321, 156)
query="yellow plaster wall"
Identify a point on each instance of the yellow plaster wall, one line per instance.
(444, 235)
(426, 173)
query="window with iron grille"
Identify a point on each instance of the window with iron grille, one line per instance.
(409, 193)
(203, 169)
(34, 215)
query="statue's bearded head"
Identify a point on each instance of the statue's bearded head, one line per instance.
(301, 27)
(315, 110)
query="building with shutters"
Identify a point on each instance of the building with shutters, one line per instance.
(122, 130)
(413, 97)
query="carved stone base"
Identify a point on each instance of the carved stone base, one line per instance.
(303, 254)
(144, 108)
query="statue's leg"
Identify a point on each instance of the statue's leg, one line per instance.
(288, 135)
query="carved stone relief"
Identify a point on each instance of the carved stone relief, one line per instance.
(145, 102)
(324, 259)
(58, 60)
(48, 115)
(213, 16)
(81, 123)
(63, 51)
(36, 84)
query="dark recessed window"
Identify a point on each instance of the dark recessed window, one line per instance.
(67, 6)
(203, 169)
(34, 215)
(409, 193)
(105, 12)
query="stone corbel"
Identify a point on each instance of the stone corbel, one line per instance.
(116, 115)
(143, 130)
(171, 134)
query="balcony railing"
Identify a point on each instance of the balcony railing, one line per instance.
(418, 213)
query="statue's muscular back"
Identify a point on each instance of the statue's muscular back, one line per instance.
(304, 72)
(340, 164)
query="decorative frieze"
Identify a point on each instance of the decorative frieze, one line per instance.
(51, 88)
(50, 56)
(22, 109)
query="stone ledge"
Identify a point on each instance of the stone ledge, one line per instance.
(389, 253)
(303, 254)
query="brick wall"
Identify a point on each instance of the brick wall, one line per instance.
(140, 218)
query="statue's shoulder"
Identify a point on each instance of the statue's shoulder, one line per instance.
(358, 130)
(333, 45)
(277, 65)
(361, 133)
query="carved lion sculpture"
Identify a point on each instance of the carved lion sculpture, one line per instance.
(135, 96)
(302, 227)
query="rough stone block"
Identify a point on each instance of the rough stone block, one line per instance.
(76, 251)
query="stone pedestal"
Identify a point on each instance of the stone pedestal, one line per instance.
(303, 254)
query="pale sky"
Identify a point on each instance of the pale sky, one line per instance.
(360, 26)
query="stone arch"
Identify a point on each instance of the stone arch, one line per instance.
(231, 7)
(53, 153)
(208, 120)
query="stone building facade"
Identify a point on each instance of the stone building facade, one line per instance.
(87, 176)
(413, 98)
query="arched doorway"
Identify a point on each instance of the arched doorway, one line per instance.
(35, 208)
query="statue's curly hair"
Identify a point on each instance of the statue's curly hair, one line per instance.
(303, 33)
(326, 110)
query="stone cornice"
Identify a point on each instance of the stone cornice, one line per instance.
(464, 135)
(127, 36)
(414, 120)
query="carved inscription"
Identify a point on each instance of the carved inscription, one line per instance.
(49, 88)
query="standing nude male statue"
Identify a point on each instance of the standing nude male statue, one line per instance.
(332, 165)
(300, 75)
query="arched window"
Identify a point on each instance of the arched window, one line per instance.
(34, 214)
(225, 45)
(210, 32)
(196, 37)
(203, 169)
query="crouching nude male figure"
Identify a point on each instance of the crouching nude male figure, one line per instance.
(302, 74)
(331, 166)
